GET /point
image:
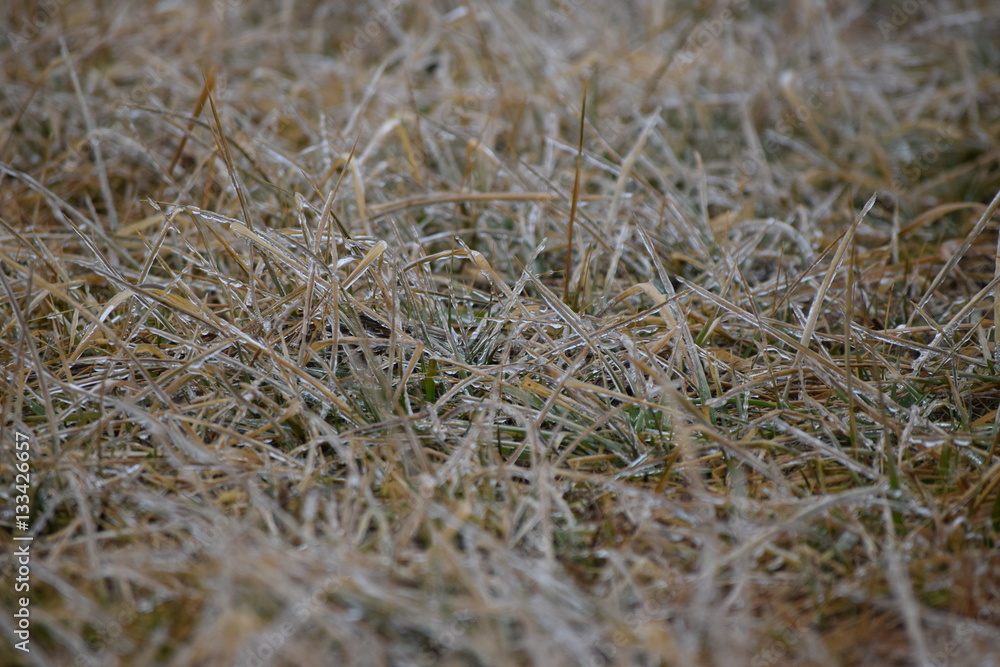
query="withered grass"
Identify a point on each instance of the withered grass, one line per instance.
(344, 348)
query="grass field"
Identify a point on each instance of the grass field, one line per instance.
(500, 333)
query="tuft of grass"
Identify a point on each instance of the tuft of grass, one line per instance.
(342, 335)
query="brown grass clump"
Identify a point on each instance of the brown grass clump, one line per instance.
(285, 323)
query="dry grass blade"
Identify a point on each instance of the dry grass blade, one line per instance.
(574, 202)
(95, 142)
(818, 303)
(957, 255)
(373, 254)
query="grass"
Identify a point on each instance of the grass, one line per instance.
(502, 333)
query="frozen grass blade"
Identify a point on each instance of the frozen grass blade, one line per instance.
(818, 303)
